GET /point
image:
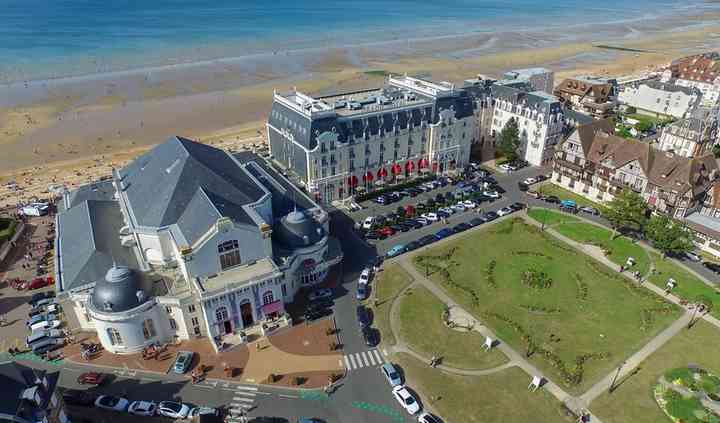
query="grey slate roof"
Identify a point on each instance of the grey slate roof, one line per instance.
(15, 379)
(120, 290)
(88, 243)
(103, 190)
(519, 93)
(162, 185)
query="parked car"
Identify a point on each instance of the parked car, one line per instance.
(469, 204)
(462, 227)
(442, 214)
(368, 222)
(183, 360)
(370, 336)
(522, 186)
(421, 220)
(320, 294)
(541, 178)
(443, 233)
(406, 399)
(364, 276)
(590, 210)
(391, 374)
(42, 334)
(46, 345)
(493, 195)
(529, 181)
(714, 267)
(447, 210)
(552, 199)
(40, 318)
(204, 411)
(92, 378)
(110, 402)
(459, 207)
(414, 224)
(412, 245)
(505, 211)
(79, 397)
(488, 216)
(517, 206)
(46, 324)
(374, 235)
(363, 316)
(387, 231)
(476, 221)
(507, 167)
(142, 408)
(40, 296)
(431, 217)
(396, 250)
(428, 418)
(382, 200)
(569, 206)
(172, 409)
(316, 313)
(321, 303)
(362, 292)
(692, 256)
(427, 239)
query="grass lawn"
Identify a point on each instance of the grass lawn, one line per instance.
(7, 228)
(688, 286)
(544, 297)
(388, 285)
(549, 188)
(422, 327)
(499, 397)
(633, 400)
(551, 217)
(620, 248)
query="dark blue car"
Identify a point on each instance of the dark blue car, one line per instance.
(443, 233)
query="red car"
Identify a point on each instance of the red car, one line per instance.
(37, 283)
(91, 378)
(387, 231)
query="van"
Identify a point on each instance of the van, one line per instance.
(42, 334)
(45, 325)
(47, 344)
(40, 318)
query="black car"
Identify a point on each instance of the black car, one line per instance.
(405, 226)
(523, 186)
(491, 215)
(476, 221)
(375, 235)
(552, 199)
(412, 245)
(517, 206)
(78, 397)
(370, 336)
(363, 316)
(315, 314)
(40, 296)
(427, 239)
(397, 228)
(462, 227)
(441, 214)
(540, 178)
(712, 266)
(415, 224)
(321, 303)
(440, 198)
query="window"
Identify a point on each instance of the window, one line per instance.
(194, 321)
(221, 314)
(196, 330)
(168, 310)
(114, 336)
(284, 290)
(148, 329)
(268, 297)
(229, 254)
(191, 308)
(173, 324)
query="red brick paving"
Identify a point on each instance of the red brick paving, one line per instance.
(311, 380)
(304, 339)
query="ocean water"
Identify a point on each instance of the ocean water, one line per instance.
(55, 38)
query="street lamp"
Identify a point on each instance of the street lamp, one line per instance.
(617, 374)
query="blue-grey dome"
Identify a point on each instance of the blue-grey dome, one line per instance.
(298, 230)
(121, 290)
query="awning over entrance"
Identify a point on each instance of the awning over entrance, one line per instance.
(273, 307)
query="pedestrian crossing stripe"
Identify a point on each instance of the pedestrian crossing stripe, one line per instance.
(362, 359)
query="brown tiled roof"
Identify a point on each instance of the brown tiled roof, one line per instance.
(570, 86)
(587, 132)
(716, 196)
(701, 67)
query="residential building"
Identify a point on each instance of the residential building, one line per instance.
(29, 395)
(705, 222)
(187, 241)
(539, 79)
(693, 136)
(596, 164)
(701, 71)
(539, 117)
(337, 145)
(590, 95)
(660, 99)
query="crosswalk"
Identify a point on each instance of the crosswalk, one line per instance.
(243, 400)
(362, 359)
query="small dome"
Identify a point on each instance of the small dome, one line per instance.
(120, 291)
(298, 230)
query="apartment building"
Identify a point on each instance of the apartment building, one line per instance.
(661, 99)
(590, 95)
(539, 79)
(693, 136)
(701, 71)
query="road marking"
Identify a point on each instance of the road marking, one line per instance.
(347, 363)
(248, 388)
(288, 396)
(244, 399)
(372, 359)
(379, 357)
(352, 361)
(365, 360)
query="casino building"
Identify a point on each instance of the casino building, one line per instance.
(187, 241)
(340, 144)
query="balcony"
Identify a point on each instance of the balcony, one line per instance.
(568, 164)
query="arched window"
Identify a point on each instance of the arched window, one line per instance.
(221, 314)
(268, 297)
(148, 329)
(229, 252)
(114, 336)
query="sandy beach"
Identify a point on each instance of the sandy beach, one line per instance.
(76, 129)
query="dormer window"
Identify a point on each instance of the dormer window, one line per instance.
(229, 253)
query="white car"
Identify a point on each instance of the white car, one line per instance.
(174, 410)
(506, 167)
(53, 324)
(110, 402)
(142, 408)
(491, 194)
(428, 418)
(459, 207)
(406, 400)
(367, 224)
(469, 204)
(692, 256)
(529, 181)
(505, 211)
(364, 277)
(448, 210)
(422, 220)
(430, 217)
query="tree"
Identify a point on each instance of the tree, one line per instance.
(510, 140)
(644, 126)
(716, 150)
(669, 235)
(627, 211)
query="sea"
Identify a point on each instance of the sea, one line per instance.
(47, 39)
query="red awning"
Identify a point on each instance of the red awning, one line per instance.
(368, 177)
(382, 173)
(273, 307)
(422, 163)
(435, 167)
(396, 169)
(410, 166)
(352, 181)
